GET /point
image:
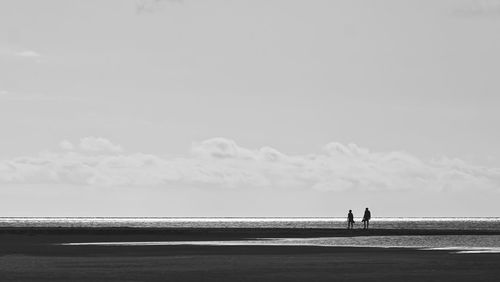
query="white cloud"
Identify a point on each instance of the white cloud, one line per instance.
(66, 145)
(221, 148)
(335, 148)
(28, 54)
(98, 144)
(222, 162)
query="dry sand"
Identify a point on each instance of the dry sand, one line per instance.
(28, 254)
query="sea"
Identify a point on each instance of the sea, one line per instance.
(456, 223)
(460, 244)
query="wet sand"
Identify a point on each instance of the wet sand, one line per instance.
(34, 254)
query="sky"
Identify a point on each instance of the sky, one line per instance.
(249, 108)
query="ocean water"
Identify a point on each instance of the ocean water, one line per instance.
(454, 243)
(466, 223)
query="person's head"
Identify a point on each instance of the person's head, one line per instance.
(366, 208)
(350, 210)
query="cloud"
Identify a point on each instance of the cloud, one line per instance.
(98, 144)
(335, 148)
(221, 148)
(222, 162)
(28, 54)
(21, 54)
(66, 145)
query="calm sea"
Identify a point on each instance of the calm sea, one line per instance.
(467, 223)
(456, 243)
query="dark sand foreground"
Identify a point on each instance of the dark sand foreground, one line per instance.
(28, 254)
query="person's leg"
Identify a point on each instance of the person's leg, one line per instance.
(367, 224)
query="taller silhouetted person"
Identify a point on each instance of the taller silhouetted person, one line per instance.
(366, 218)
(350, 220)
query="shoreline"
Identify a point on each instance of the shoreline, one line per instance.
(238, 232)
(229, 243)
(12, 237)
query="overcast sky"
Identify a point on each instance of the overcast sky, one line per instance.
(249, 108)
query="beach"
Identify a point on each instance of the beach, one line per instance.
(40, 254)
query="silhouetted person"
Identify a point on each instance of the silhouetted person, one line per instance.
(350, 220)
(366, 218)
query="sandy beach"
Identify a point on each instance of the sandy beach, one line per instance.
(29, 254)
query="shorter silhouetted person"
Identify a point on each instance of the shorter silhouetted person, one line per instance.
(350, 220)
(366, 218)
